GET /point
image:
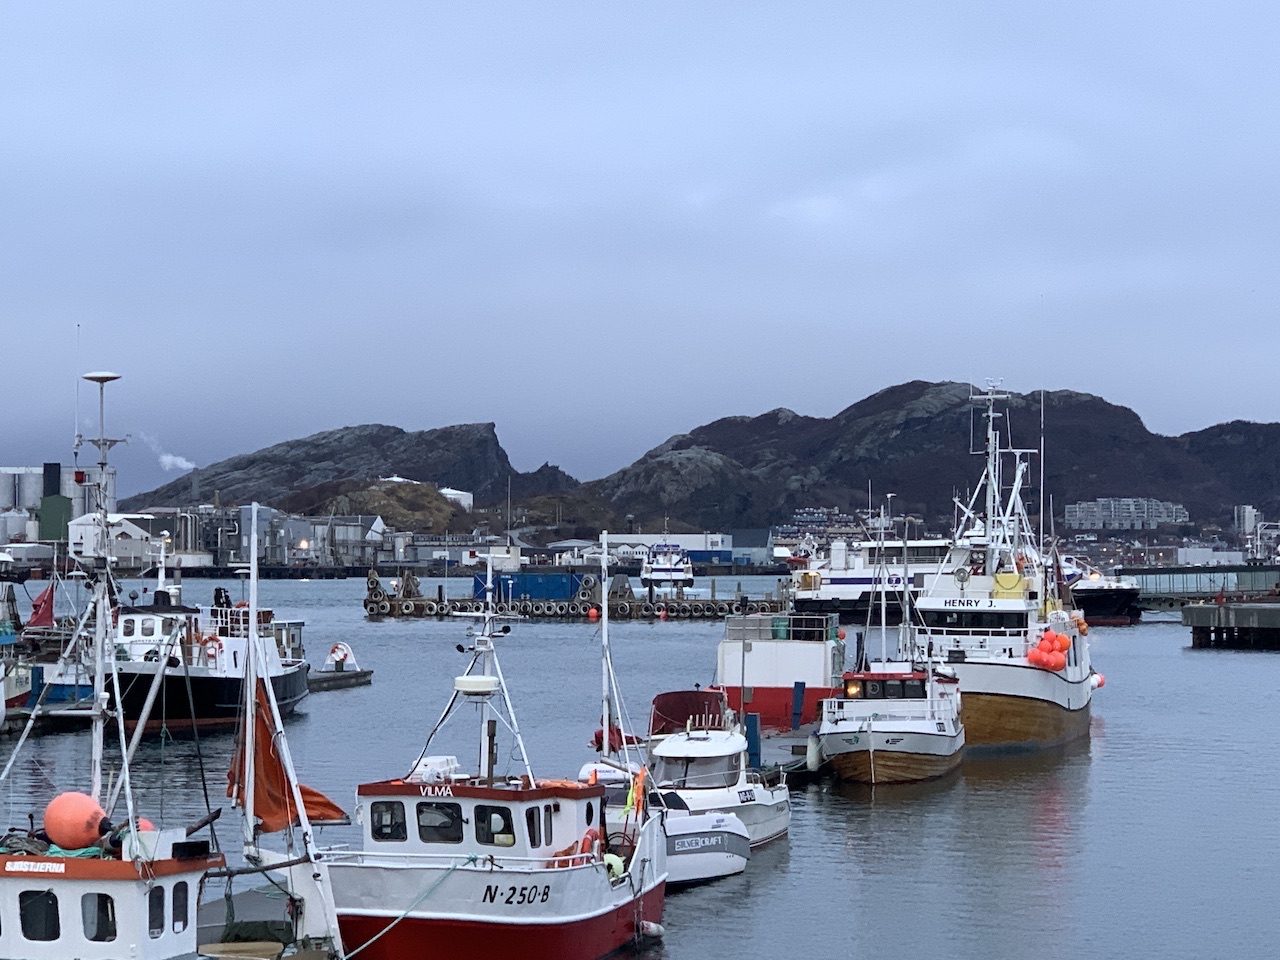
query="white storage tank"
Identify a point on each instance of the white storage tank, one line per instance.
(30, 488)
(13, 525)
(8, 489)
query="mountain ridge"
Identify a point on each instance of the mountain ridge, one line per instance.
(911, 439)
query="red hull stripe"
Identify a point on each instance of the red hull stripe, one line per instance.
(428, 939)
(774, 704)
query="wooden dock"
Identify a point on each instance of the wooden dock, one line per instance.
(1234, 626)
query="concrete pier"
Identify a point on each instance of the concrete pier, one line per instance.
(1234, 626)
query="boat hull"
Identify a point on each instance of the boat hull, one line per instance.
(705, 847)
(893, 765)
(1113, 607)
(1010, 705)
(1003, 722)
(428, 938)
(215, 701)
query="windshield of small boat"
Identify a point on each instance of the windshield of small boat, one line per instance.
(698, 773)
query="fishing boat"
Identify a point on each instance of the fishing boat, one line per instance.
(894, 721)
(14, 664)
(1000, 615)
(666, 563)
(701, 845)
(84, 885)
(699, 753)
(1103, 600)
(192, 657)
(780, 666)
(485, 863)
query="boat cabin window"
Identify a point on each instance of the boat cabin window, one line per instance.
(533, 817)
(704, 773)
(856, 688)
(439, 822)
(155, 912)
(494, 826)
(975, 620)
(129, 625)
(386, 820)
(181, 907)
(38, 910)
(98, 911)
(546, 824)
(148, 627)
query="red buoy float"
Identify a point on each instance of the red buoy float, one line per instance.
(74, 821)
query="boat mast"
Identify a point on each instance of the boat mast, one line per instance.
(102, 603)
(606, 705)
(249, 686)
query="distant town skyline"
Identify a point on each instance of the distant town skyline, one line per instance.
(601, 225)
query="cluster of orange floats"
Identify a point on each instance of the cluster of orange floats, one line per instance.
(1051, 652)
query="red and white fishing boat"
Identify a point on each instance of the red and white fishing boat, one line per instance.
(490, 864)
(781, 666)
(82, 886)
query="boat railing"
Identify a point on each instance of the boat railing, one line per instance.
(459, 859)
(930, 709)
(234, 621)
(762, 627)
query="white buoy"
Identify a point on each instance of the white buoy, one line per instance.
(813, 753)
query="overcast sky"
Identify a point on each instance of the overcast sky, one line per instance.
(602, 223)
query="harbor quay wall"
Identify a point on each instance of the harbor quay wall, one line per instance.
(1234, 626)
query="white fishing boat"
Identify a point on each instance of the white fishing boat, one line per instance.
(666, 563)
(701, 845)
(197, 655)
(84, 886)
(893, 723)
(699, 753)
(488, 862)
(1000, 615)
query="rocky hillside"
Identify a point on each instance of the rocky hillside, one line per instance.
(912, 440)
(466, 457)
(405, 505)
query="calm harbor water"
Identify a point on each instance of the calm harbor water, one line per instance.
(1157, 837)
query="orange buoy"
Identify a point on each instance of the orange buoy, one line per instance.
(1057, 661)
(1102, 681)
(1064, 643)
(74, 821)
(1035, 656)
(145, 824)
(1047, 645)
(840, 633)
(593, 613)
(662, 615)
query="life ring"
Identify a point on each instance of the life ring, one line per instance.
(588, 844)
(338, 653)
(212, 647)
(241, 604)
